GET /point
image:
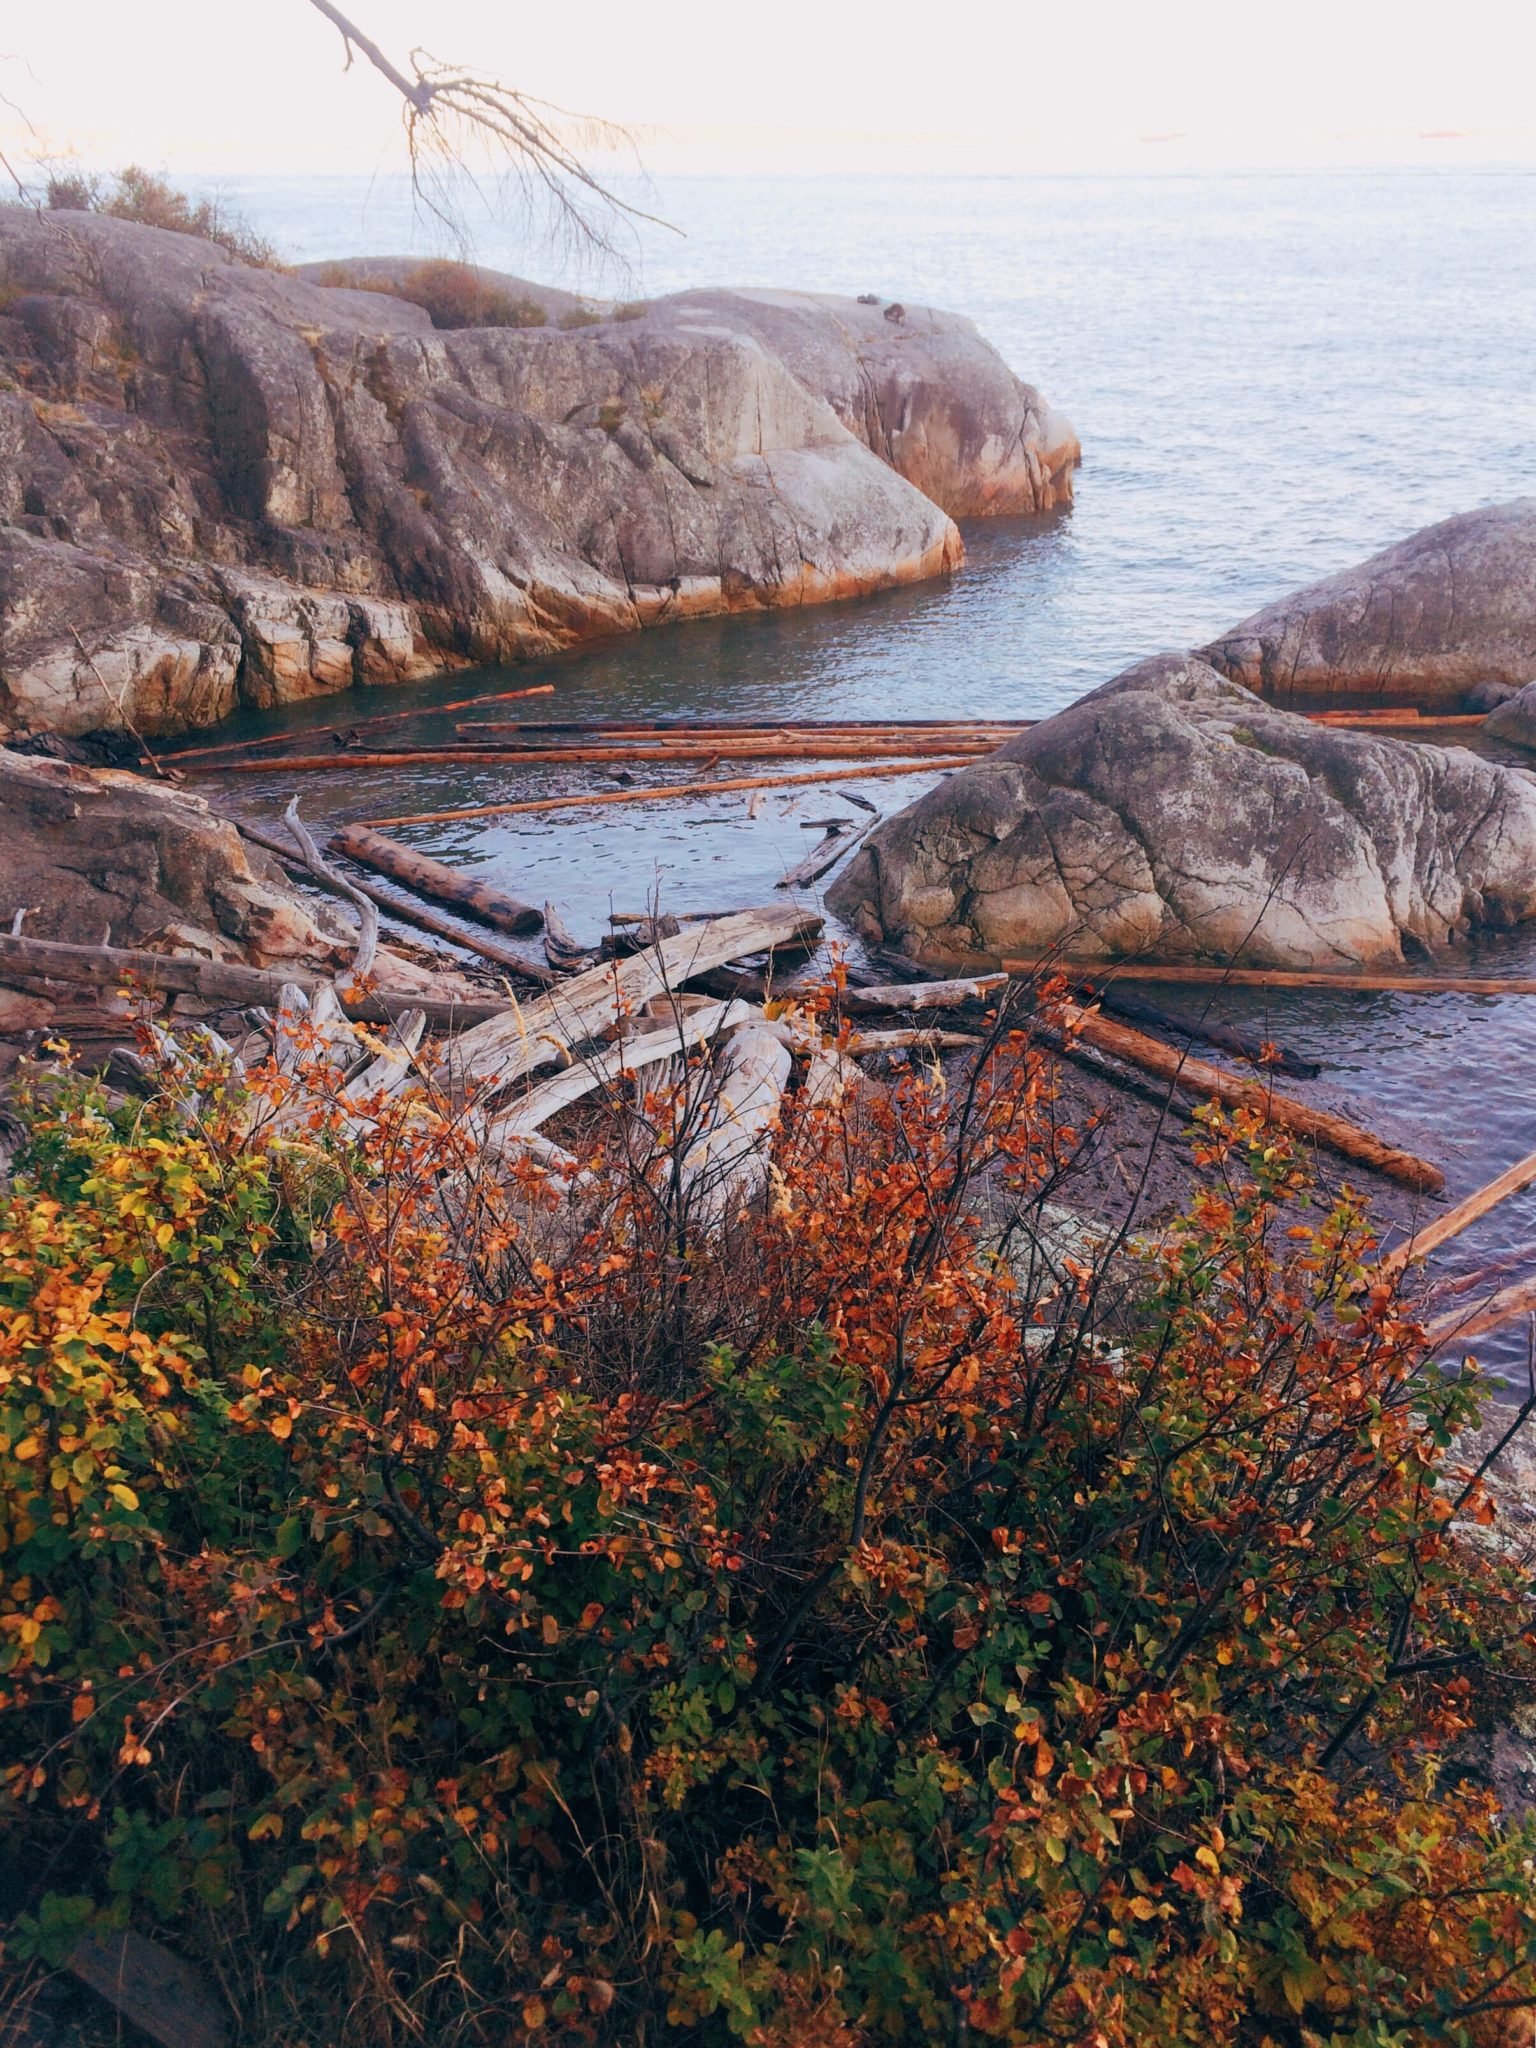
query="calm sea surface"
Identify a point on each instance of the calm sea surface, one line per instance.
(1272, 376)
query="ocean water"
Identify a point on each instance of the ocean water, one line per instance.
(1272, 376)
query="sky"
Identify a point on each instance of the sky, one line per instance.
(221, 87)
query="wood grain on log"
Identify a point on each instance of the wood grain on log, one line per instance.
(582, 1008)
(436, 879)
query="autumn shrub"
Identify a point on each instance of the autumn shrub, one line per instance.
(456, 295)
(72, 192)
(459, 1596)
(153, 201)
(139, 195)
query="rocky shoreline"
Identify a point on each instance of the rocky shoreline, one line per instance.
(222, 486)
(1178, 814)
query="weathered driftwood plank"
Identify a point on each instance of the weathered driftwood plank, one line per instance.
(151, 1987)
(811, 779)
(602, 1069)
(224, 983)
(1462, 1216)
(588, 1004)
(1322, 1126)
(1348, 981)
(436, 879)
(824, 857)
(728, 1164)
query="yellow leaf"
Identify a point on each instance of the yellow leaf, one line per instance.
(1208, 1858)
(282, 1427)
(124, 1496)
(267, 1827)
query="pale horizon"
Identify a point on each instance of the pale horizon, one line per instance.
(1111, 88)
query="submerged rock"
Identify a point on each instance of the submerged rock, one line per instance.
(1424, 623)
(222, 485)
(1175, 815)
(1513, 721)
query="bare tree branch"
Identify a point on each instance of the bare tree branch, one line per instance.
(450, 112)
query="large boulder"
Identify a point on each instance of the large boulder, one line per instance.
(1441, 616)
(223, 485)
(923, 390)
(1174, 815)
(92, 852)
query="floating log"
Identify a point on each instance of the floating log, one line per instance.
(1260, 1052)
(224, 984)
(1322, 1126)
(1391, 720)
(823, 858)
(584, 1007)
(404, 910)
(357, 724)
(920, 995)
(1459, 1218)
(628, 755)
(435, 879)
(1349, 981)
(728, 728)
(809, 780)
(1462, 1325)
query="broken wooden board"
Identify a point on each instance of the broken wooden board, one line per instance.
(151, 1987)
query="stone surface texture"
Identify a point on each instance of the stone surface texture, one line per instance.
(1175, 815)
(84, 851)
(223, 486)
(1424, 623)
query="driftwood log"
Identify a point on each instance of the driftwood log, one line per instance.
(1214, 976)
(1322, 1126)
(825, 856)
(435, 879)
(354, 725)
(222, 984)
(920, 995)
(582, 1008)
(405, 910)
(629, 755)
(1464, 1214)
(811, 779)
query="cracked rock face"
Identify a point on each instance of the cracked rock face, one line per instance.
(1174, 814)
(223, 486)
(83, 851)
(1441, 616)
